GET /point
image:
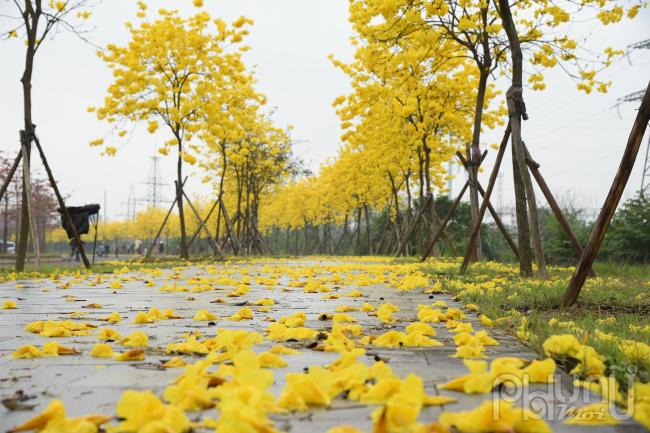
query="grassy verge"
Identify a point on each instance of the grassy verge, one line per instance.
(612, 314)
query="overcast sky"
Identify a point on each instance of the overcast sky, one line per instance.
(578, 139)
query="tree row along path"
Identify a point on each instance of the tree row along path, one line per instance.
(304, 345)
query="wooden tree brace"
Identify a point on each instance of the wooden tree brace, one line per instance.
(529, 159)
(499, 223)
(452, 210)
(445, 237)
(345, 231)
(261, 239)
(213, 243)
(10, 175)
(557, 211)
(611, 202)
(205, 220)
(467, 164)
(254, 239)
(162, 226)
(59, 198)
(492, 210)
(443, 223)
(229, 226)
(412, 225)
(486, 198)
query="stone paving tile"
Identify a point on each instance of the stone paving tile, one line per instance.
(91, 385)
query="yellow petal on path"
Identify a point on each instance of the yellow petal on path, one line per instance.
(114, 317)
(175, 362)
(108, 334)
(135, 339)
(497, 416)
(242, 314)
(142, 318)
(271, 360)
(53, 348)
(102, 350)
(26, 352)
(204, 315)
(130, 355)
(279, 349)
(54, 410)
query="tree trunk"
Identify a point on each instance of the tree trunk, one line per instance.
(179, 200)
(473, 157)
(443, 223)
(368, 229)
(394, 190)
(358, 229)
(31, 18)
(295, 242)
(27, 189)
(5, 228)
(434, 220)
(517, 111)
(345, 231)
(555, 207)
(523, 230)
(476, 227)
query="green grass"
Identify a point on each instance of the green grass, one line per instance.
(615, 302)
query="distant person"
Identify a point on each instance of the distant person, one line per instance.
(161, 247)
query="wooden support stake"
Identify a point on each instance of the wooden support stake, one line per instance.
(59, 199)
(345, 231)
(611, 202)
(262, 241)
(443, 223)
(205, 220)
(436, 217)
(213, 243)
(162, 226)
(229, 227)
(486, 199)
(557, 211)
(413, 223)
(255, 242)
(499, 223)
(10, 175)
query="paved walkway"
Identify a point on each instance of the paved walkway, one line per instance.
(94, 385)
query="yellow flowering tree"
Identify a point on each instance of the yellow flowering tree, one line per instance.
(545, 30)
(35, 21)
(165, 75)
(412, 107)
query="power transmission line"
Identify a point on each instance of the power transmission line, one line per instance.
(155, 184)
(130, 204)
(634, 97)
